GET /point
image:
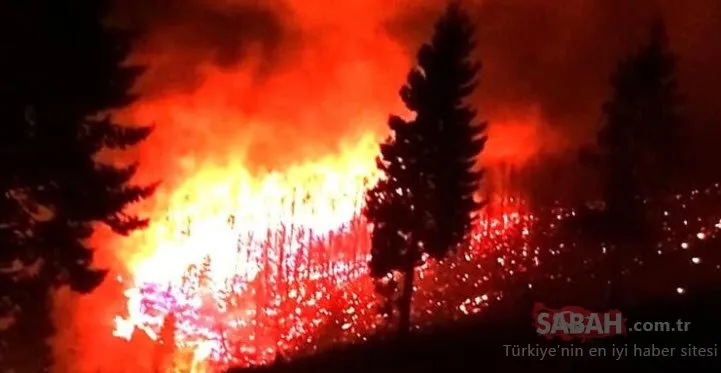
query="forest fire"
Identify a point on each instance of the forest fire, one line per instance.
(238, 272)
(235, 249)
(254, 156)
(256, 246)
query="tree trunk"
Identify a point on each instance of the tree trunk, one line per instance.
(405, 301)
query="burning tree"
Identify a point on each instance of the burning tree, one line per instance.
(640, 150)
(424, 204)
(58, 86)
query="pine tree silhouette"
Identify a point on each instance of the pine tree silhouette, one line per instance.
(663, 134)
(437, 91)
(641, 146)
(424, 204)
(62, 71)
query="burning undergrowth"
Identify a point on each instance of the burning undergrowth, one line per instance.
(266, 127)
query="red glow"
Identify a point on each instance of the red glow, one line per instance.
(290, 290)
(287, 156)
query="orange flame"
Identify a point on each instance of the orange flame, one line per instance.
(242, 156)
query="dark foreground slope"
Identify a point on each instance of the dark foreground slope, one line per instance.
(479, 345)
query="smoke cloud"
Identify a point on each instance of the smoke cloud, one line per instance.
(180, 36)
(559, 56)
(304, 66)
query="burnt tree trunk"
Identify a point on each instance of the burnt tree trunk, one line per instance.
(405, 300)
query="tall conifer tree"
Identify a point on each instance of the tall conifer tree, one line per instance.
(63, 72)
(425, 202)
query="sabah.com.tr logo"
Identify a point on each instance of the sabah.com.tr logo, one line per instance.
(574, 322)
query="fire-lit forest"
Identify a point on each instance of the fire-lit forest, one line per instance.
(193, 186)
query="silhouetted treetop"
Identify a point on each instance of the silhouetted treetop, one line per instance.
(63, 71)
(641, 146)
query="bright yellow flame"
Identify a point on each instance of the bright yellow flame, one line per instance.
(210, 212)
